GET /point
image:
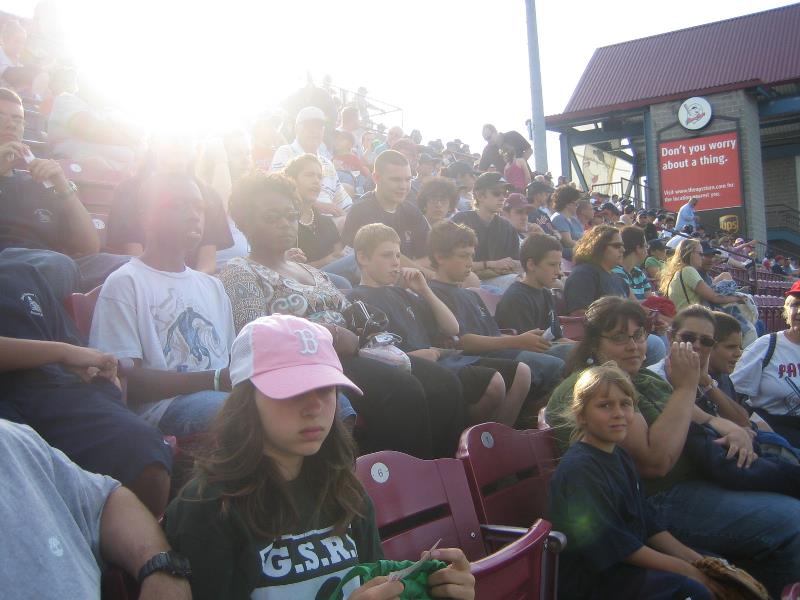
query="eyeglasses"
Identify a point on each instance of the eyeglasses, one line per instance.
(690, 338)
(622, 338)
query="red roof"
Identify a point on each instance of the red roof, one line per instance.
(757, 49)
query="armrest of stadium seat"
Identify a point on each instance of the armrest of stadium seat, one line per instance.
(533, 537)
(556, 542)
(499, 535)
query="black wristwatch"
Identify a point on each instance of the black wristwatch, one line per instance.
(171, 562)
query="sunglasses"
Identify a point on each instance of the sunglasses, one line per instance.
(691, 338)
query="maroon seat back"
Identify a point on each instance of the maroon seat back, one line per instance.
(508, 471)
(573, 328)
(418, 502)
(81, 308)
(489, 299)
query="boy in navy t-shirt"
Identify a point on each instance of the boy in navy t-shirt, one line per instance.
(494, 389)
(452, 249)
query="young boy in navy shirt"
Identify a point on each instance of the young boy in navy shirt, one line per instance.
(452, 249)
(528, 304)
(494, 389)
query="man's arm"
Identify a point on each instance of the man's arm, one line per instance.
(79, 237)
(129, 537)
(16, 354)
(414, 280)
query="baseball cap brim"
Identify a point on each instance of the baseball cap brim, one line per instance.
(292, 381)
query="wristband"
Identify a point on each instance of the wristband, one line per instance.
(217, 374)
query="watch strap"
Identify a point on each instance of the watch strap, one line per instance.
(170, 562)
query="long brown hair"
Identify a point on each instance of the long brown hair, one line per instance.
(252, 484)
(602, 316)
(590, 248)
(681, 258)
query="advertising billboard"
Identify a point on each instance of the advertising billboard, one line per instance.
(704, 167)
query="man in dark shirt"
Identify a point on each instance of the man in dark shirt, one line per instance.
(491, 157)
(68, 394)
(498, 242)
(42, 220)
(708, 255)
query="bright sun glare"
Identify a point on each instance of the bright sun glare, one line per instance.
(186, 65)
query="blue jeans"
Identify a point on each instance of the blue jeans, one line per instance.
(759, 531)
(64, 274)
(546, 369)
(191, 413)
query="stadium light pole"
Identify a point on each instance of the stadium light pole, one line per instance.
(537, 107)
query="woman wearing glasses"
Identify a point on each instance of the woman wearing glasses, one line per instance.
(681, 280)
(420, 413)
(596, 254)
(762, 527)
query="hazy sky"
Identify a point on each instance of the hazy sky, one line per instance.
(452, 65)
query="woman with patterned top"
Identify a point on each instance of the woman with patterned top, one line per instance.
(421, 412)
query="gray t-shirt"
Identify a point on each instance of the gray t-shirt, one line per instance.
(50, 513)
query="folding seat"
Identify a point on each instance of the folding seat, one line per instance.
(419, 502)
(489, 299)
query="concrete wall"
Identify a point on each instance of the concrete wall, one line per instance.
(780, 181)
(735, 104)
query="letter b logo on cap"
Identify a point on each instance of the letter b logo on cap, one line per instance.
(309, 341)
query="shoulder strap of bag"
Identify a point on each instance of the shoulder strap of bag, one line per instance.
(773, 341)
(683, 285)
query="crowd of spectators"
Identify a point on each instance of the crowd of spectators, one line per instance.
(390, 248)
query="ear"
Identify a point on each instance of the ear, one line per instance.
(361, 257)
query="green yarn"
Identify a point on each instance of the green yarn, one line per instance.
(415, 586)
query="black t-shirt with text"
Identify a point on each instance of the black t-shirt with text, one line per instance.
(31, 215)
(409, 316)
(232, 562)
(409, 223)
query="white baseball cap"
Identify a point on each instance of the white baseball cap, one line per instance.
(309, 113)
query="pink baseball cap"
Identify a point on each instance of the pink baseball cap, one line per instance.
(284, 356)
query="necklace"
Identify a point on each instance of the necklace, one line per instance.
(310, 223)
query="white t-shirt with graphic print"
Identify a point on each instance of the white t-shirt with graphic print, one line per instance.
(776, 389)
(171, 321)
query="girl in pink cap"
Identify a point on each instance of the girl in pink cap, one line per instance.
(275, 509)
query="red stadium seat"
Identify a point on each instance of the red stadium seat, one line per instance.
(508, 471)
(489, 299)
(81, 308)
(418, 502)
(559, 300)
(573, 328)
